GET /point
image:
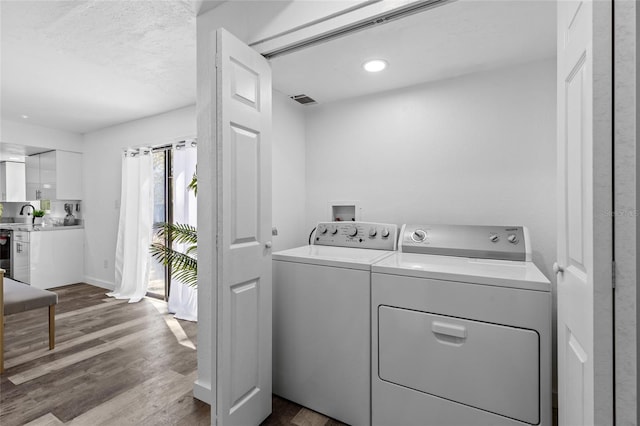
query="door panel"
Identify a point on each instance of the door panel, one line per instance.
(245, 84)
(245, 337)
(575, 291)
(584, 234)
(245, 216)
(243, 128)
(575, 366)
(576, 135)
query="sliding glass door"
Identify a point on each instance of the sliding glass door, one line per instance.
(160, 275)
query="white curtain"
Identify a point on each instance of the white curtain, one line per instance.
(135, 226)
(183, 300)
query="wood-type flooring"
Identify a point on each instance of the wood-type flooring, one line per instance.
(114, 363)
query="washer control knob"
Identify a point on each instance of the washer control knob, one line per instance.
(513, 238)
(352, 231)
(419, 235)
(333, 230)
(385, 233)
(322, 229)
(494, 238)
(373, 232)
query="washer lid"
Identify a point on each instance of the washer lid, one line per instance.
(340, 257)
(502, 273)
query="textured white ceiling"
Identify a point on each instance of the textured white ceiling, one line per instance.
(458, 38)
(85, 65)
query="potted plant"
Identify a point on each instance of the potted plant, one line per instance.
(38, 216)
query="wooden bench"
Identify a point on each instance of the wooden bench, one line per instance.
(17, 297)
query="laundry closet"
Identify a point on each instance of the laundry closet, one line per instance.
(460, 128)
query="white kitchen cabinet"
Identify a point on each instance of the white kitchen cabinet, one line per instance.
(20, 254)
(32, 163)
(54, 175)
(68, 175)
(56, 258)
(12, 181)
(48, 179)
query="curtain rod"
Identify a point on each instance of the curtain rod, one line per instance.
(176, 145)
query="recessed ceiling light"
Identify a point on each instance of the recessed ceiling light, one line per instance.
(375, 65)
(24, 116)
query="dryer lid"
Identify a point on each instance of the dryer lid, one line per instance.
(340, 257)
(502, 273)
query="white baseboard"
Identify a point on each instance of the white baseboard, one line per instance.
(202, 391)
(99, 283)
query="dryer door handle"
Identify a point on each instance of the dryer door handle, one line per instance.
(453, 330)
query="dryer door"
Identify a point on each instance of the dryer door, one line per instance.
(486, 366)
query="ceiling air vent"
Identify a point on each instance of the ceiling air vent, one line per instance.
(303, 99)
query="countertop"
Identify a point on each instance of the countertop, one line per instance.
(37, 228)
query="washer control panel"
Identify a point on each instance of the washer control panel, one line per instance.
(486, 242)
(367, 235)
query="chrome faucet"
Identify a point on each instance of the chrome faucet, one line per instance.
(27, 205)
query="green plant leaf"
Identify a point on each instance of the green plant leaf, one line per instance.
(183, 264)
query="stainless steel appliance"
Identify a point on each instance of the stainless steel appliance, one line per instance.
(20, 257)
(6, 261)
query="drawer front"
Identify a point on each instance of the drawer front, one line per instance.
(21, 236)
(483, 365)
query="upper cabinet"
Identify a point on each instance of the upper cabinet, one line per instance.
(12, 181)
(54, 175)
(34, 187)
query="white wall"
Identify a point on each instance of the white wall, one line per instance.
(24, 133)
(289, 164)
(102, 176)
(478, 149)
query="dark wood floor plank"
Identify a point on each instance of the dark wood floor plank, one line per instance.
(108, 386)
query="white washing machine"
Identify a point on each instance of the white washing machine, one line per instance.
(461, 330)
(322, 318)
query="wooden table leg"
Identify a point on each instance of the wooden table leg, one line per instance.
(52, 326)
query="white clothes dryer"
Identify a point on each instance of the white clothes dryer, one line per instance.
(322, 318)
(461, 330)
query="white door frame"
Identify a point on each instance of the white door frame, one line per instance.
(626, 210)
(206, 108)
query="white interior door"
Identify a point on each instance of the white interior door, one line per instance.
(243, 123)
(584, 232)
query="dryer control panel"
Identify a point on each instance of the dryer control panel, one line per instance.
(484, 242)
(366, 235)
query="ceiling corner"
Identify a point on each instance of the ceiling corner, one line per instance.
(203, 6)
